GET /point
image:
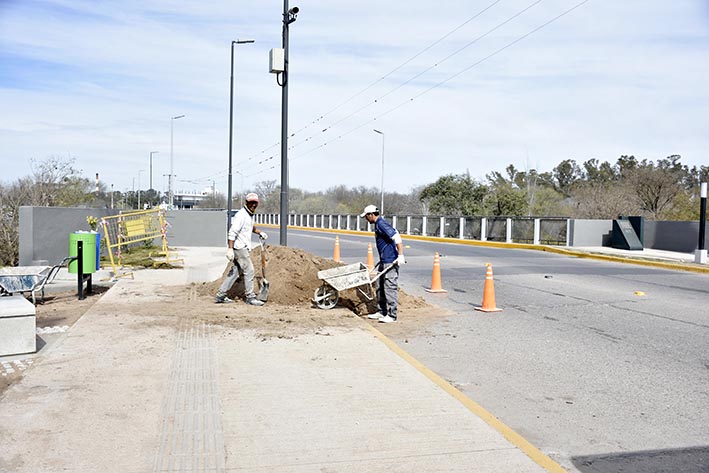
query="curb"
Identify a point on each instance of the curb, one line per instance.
(689, 267)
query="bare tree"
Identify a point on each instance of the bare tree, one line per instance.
(603, 200)
(54, 183)
(656, 187)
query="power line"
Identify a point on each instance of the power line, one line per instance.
(379, 80)
(416, 76)
(449, 78)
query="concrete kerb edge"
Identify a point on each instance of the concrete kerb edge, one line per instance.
(522, 246)
(513, 437)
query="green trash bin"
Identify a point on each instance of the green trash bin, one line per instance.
(89, 248)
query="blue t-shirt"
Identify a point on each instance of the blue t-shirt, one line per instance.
(384, 235)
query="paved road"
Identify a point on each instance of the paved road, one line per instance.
(605, 365)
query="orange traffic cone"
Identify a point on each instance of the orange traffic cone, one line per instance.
(370, 257)
(336, 252)
(436, 276)
(489, 293)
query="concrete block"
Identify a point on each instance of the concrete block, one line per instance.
(17, 326)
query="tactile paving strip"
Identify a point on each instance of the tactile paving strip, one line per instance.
(192, 439)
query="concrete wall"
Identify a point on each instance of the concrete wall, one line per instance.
(196, 228)
(673, 236)
(590, 232)
(44, 231)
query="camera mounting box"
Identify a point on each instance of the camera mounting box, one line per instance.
(276, 60)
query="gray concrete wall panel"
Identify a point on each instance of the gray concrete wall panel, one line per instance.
(673, 236)
(590, 232)
(44, 231)
(196, 228)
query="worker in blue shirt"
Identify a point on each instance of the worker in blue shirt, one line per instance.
(391, 251)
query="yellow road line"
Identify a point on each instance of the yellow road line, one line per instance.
(513, 437)
(525, 246)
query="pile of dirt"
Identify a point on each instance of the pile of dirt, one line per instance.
(292, 274)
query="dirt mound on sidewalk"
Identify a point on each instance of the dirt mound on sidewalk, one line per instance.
(293, 277)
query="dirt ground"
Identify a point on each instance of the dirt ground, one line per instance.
(289, 311)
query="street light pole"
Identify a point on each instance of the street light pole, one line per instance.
(171, 176)
(231, 125)
(381, 206)
(289, 16)
(151, 167)
(241, 189)
(139, 171)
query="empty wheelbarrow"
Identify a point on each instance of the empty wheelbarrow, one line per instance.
(346, 277)
(21, 279)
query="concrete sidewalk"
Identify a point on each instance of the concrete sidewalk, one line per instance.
(127, 391)
(645, 253)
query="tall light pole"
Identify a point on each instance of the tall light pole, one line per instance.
(241, 189)
(231, 124)
(171, 176)
(289, 16)
(381, 206)
(151, 167)
(139, 171)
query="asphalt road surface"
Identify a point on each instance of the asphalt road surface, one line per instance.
(603, 366)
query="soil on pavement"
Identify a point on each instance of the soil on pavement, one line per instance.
(289, 311)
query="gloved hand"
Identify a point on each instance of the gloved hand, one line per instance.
(263, 236)
(400, 260)
(230, 254)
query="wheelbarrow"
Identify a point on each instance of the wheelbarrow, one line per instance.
(346, 277)
(32, 279)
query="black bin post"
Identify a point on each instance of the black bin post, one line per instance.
(80, 276)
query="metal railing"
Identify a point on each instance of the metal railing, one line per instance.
(532, 230)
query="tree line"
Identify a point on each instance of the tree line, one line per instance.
(664, 189)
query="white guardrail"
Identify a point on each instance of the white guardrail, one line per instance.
(544, 231)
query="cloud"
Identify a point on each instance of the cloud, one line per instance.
(100, 80)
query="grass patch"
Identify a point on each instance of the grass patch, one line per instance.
(142, 256)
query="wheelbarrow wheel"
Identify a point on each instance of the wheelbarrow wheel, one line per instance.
(326, 297)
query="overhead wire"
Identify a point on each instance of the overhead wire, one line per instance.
(449, 78)
(411, 99)
(416, 76)
(366, 88)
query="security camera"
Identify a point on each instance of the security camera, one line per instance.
(294, 11)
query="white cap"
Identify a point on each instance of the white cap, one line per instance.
(251, 197)
(370, 209)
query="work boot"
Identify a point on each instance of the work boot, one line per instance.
(254, 301)
(222, 300)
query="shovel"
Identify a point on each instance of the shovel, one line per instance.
(263, 293)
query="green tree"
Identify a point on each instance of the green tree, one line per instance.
(505, 199)
(565, 175)
(455, 195)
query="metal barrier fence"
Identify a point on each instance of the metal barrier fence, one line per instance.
(546, 230)
(129, 228)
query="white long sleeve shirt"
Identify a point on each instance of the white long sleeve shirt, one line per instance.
(242, 225)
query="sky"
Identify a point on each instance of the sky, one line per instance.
(454, 86)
